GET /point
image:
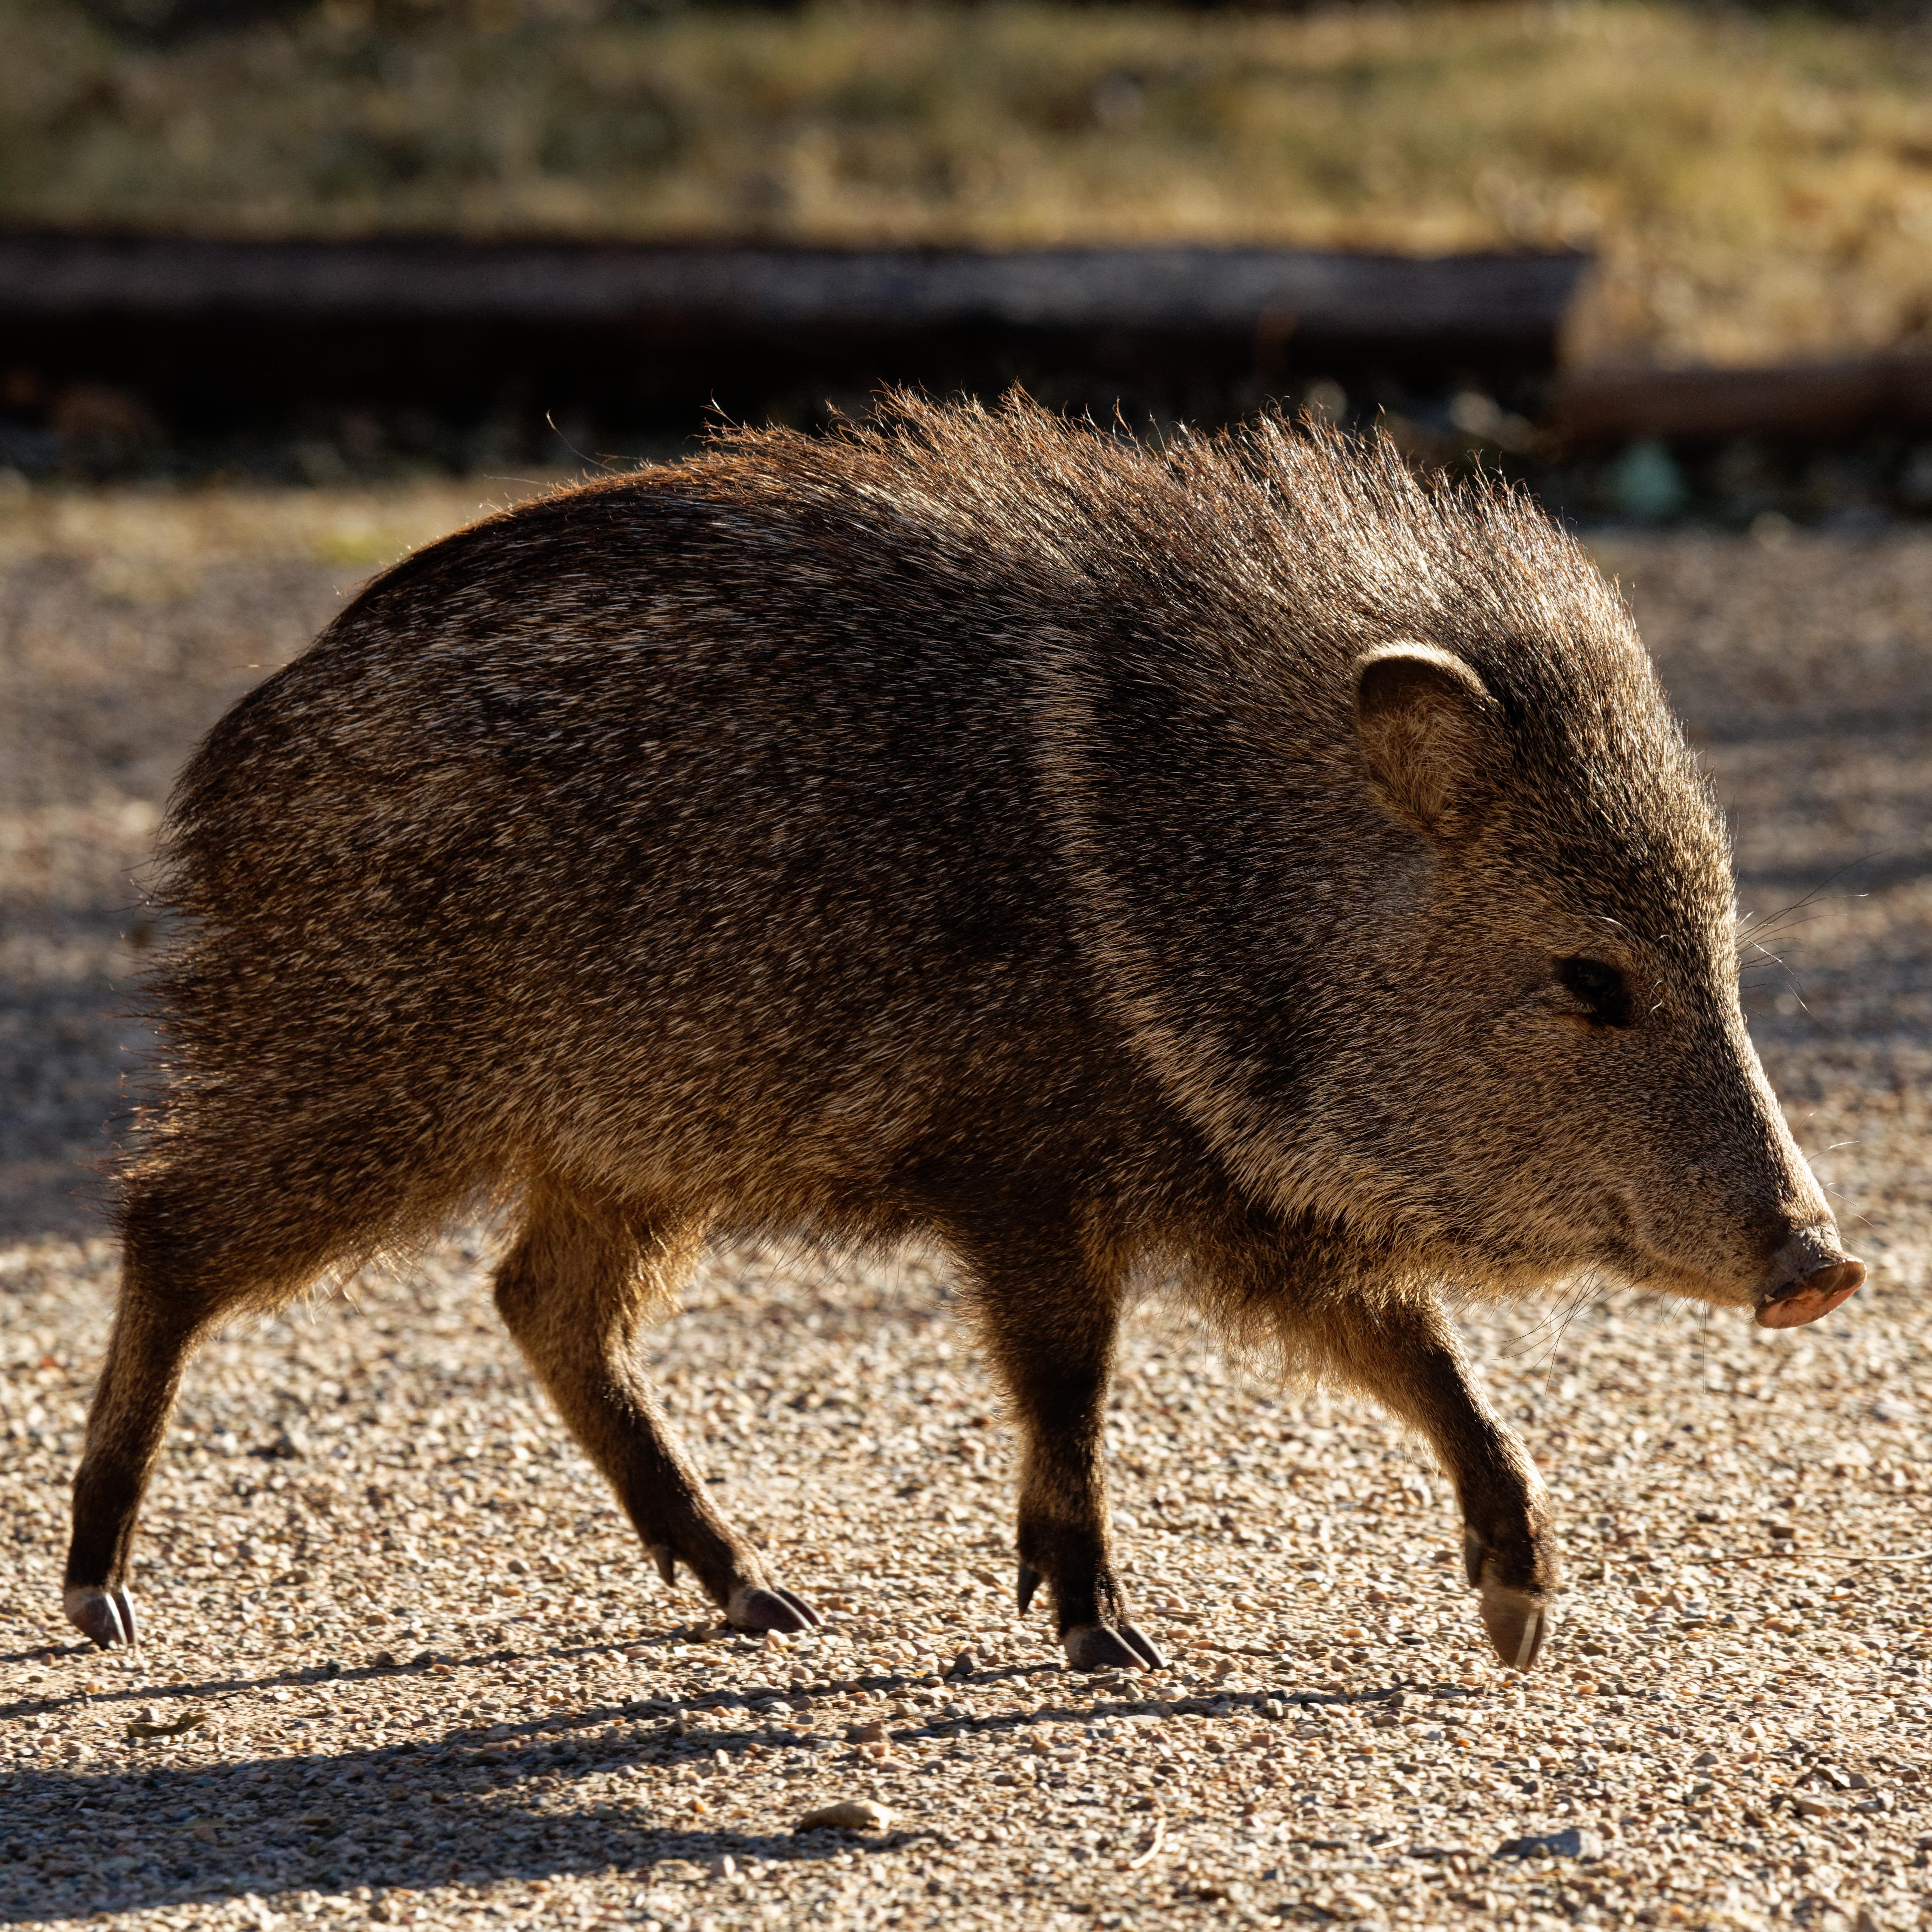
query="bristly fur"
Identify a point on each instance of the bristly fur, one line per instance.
(975, 827)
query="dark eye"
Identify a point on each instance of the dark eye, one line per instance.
(1600, 987)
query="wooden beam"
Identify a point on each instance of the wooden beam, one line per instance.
(757, 289)
(1817, 403)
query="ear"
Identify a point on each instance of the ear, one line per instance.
(1429, 736)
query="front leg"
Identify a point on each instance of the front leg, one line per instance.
(1403, 1351)
(1050, 1313)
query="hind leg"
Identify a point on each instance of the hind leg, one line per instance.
(576, 1292)
(177, 1280)
(136, 1393)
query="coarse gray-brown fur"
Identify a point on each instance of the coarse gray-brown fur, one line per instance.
(976, 827)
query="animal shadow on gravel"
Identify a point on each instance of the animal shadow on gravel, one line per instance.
(415, 1817)
(321, 1822)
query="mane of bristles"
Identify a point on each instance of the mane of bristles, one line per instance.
(1273, 517)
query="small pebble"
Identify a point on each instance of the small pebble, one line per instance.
(1814, 1804)
(849, 1814)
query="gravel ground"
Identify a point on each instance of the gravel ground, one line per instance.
(425, 1678)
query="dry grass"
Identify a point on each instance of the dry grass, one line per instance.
(1757, 188)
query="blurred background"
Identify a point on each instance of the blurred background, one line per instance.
(322, 240)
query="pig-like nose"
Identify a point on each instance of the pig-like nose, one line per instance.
(1809, 1295)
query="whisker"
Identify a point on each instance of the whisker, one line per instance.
(1577, 1302)
(1851, 1211)
(1771, 923)
(1527, 1338)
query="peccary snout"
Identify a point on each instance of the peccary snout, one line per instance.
(1790, 1265)
(1811, 1275)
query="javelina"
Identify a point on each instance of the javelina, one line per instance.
(1243, 857)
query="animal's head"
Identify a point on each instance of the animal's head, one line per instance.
(1558, 918)
(1403, 878)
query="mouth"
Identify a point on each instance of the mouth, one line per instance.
(1811, 1295)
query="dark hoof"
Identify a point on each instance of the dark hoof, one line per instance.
(1095, 1647)
(799, 1607)
(1475, 1554)
(1026, 1582)
(754, 1608)
(1518, 1623)
(1520, 1615)
(665, 1558)
(105, 1617)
